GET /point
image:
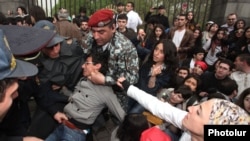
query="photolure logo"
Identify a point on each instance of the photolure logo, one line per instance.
(241, 132)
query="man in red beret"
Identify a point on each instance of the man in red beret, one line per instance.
(123, 59)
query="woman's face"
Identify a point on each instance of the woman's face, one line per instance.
(159, 54)
(214, 28)
(158, 32)
(176, 98)
(240, 24)
(239, 33)
(247, 33)
(197, 70)
(190, 16)
(197, 117)
(220, 35)
(196, 34)
(192, 83)
(247, 103)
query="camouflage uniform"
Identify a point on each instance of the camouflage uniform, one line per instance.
(123, 59)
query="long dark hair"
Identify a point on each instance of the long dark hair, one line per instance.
(243, 95)
(170, 55)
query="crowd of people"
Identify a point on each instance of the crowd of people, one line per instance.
(161, 82)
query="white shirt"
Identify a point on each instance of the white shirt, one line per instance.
(133, 20)
(161, 109)
(211, 58)
(242, 79)
(178, 36)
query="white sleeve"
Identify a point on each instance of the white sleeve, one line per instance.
(163, 110)
(207, 45)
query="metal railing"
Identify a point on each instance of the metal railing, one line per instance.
(200, 8)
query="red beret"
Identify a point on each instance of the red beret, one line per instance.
(101, 18)
(202, 64)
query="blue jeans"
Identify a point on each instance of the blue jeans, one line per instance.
(63, 133)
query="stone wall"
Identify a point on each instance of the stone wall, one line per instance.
(221, 8)
(11, 5)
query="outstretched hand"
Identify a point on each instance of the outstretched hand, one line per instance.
(123, 83)
(97, 78)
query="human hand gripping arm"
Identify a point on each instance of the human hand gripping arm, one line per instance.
(97, 78)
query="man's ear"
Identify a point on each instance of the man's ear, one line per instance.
(113, 28)
(98, 66)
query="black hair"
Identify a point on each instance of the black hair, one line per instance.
(185, 91)
(4, 84)
(100, 59)
(123, 17)
(132, 127)
(82, 9)
(228, 62)
(227, 87)
(23, 9)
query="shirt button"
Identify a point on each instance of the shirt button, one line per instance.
(86, 95)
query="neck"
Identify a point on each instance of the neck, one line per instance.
(180, 28)
(122, 29)
(196, 137)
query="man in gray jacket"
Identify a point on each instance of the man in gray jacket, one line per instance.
(86, 103)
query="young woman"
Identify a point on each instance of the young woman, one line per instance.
(193, 121)
(156, 71)
(131, 128)
(216, 45)
(244, 100)
(157, 34)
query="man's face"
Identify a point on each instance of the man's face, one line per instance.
(121, 23)
(9, 95)
(182, 21)
(120, 9)
(222, 71)
(129, 7)
(84, 26)
(231, 20)
(88, 67)
(103, 35)
(238, 64)
(199, 56)
(52, 52)
(161, 11)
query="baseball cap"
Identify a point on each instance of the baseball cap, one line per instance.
(161, 7)
(45, 24)
(101, 18)
(26, 40)
(11, 67)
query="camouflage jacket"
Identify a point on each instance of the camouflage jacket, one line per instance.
(123, 59)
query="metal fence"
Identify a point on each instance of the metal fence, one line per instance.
(200, 8)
